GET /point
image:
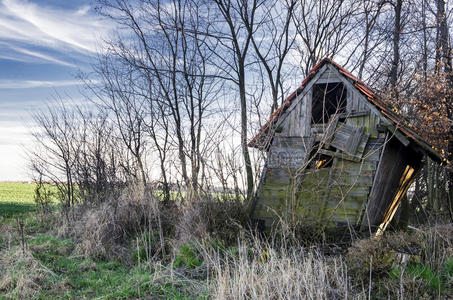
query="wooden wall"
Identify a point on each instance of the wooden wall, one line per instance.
(395, 159)
(293, 189)
(298, 121)
(279, 179)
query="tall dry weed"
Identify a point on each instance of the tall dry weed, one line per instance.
(102, 231)
(261, 272)
(208, 217)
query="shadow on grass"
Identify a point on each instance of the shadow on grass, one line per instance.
(12, 209)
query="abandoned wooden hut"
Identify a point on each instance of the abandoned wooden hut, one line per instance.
(337, 155)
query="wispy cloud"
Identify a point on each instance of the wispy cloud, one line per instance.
(27, 84)
(60, 35)
(41, 56)
(63, 30)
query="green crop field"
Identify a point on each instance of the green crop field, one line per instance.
(16, 198)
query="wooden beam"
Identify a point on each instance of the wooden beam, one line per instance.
(354, 140)
(401, 137)
(355, 114)
(340, 155)
(328, 80)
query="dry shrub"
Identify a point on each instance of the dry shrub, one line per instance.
(212, 217)
(98, 232)
(261, 272)
(102, 231)
(437, 243)
(379, 254)
(406, 264)
(22, 276)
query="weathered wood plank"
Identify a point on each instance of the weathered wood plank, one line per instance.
(350, 165)
(358, 180)
(355, 114)
(306, 115)
(340, 155)
(329, 76)
(395, 159)
(288, 152)
(401, 137)
(354, 141)
(342, 135)
(349, 101)
(350, 140)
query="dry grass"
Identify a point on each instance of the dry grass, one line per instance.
(405, 265)
(212, 218)
(261, 272)
(102, 232)
(204, 249)
(22, 276)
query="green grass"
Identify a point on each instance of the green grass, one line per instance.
(16, 198)
(86, 277)
(76, 277)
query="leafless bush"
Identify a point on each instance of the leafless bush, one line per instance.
(213, 217)
(437, 244)
(104, 230)
(78, 152)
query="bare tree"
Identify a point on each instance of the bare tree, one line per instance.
(166, 52)
(77, 151)
(121, 96)
(396, 43)
(369, 15)
(273, 39)
(323, 28)
(234, 40)
(53, 157)
(100, 170)
(444, 46)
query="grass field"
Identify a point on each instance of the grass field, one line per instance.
(16, 198)
(50, 262)
(39, 263)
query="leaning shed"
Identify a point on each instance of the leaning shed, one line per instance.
(337, 155)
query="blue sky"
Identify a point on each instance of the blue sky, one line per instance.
(43, 46)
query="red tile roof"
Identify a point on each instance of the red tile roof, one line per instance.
(400, 122)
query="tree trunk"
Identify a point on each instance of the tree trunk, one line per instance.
(444, 49)
(396, 46)
(425, 42)
(245, 149)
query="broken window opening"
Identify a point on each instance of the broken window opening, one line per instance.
(328, 99)
(320, 160)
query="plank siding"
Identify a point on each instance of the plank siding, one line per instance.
(394, 161)
(352, 190)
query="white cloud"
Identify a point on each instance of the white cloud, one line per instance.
(33, 33)
(83, 10)
(9, 51)
(42, 56)
(56, 28)
(26, 84)
(12, 140)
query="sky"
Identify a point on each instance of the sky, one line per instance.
(44, 44)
